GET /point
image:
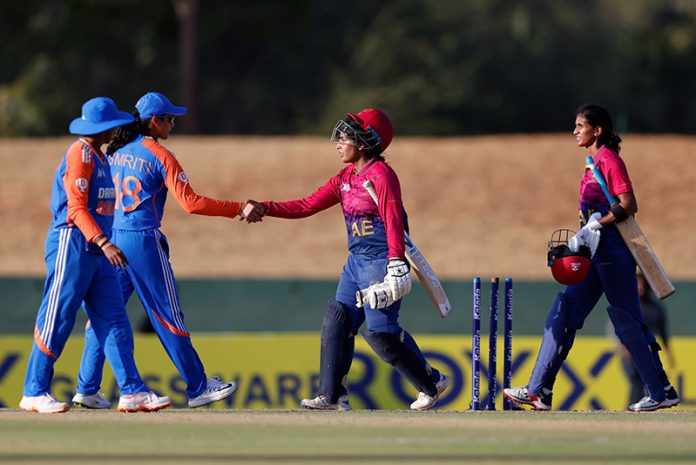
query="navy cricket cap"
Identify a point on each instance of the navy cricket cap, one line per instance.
(156, 104)
(98, 115)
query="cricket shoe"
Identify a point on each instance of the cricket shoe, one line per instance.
(43, 404)
(320, 403)
(671, 397)
(646, 404)
(93, 401)
(146, 401)
(424, 401)
(521, 395)
(214, 391)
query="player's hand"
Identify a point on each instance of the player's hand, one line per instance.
(377, 296)
(115, 255)
(593, 223)
(252, 211)
(589, 235)
(398, 278)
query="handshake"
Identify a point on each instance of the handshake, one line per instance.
(252, 211)
(396, 284)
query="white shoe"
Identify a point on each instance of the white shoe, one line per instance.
(146, 401)
(43, 404)
(646, 404)
(521, 395)
(320, 403)
(214, 391)
(426, 402)
(671, 397)
(95, 401)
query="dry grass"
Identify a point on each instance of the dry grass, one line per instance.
(477, 205)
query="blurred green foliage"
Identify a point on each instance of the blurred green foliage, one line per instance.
(437, 67)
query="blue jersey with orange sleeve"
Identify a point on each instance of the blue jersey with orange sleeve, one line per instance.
(372, 229)
(143, 172)
(83, 194)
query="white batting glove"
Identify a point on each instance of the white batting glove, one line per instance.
(376, 296)
(398, 277)
(589, 235)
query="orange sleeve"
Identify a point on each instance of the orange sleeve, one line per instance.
(178, 184)
(78, 173)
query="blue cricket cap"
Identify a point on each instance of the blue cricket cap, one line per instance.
(98, 115)
(156, 104)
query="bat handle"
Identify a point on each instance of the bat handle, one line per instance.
(371, 190)
(600, 179)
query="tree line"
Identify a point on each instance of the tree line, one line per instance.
(437, 67)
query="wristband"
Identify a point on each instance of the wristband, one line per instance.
(619, 212)
(103, 241)
(104, 244)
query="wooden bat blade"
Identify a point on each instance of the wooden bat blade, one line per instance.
(428, 278)
(423, 270)
(645, 257)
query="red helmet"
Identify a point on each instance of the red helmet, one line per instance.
(567, 267)
(377, 124)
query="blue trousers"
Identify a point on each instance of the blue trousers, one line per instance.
(150, 274)
(613, 272)
(359, 272)
(77, 277)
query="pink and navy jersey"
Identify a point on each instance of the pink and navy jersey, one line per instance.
(83, 193)
(143, 173)
(592, 198)
(372, 229)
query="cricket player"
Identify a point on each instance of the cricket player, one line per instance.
(80, 262)
(144, 172)
(376, 263)
(613, 272)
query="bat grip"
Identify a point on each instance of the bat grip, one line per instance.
(371, 190)
(600, 179)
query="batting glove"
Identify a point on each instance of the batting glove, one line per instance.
(589, 235)
(377, 296)
(398, 278)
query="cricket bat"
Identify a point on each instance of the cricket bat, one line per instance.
(423, 270)
(638, 244)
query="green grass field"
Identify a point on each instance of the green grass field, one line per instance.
(358, 437)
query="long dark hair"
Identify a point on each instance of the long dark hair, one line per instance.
(127, 133)
(599, 116)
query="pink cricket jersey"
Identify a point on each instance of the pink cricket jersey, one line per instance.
(612, 167)
(372, 229)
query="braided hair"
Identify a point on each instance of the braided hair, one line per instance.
(125, 134)
(599, 116)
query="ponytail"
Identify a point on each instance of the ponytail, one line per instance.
(125, 134)
(612, 142)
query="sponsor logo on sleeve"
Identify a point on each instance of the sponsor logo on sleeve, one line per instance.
(82, 184)
(183, 178)
(345, 187)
